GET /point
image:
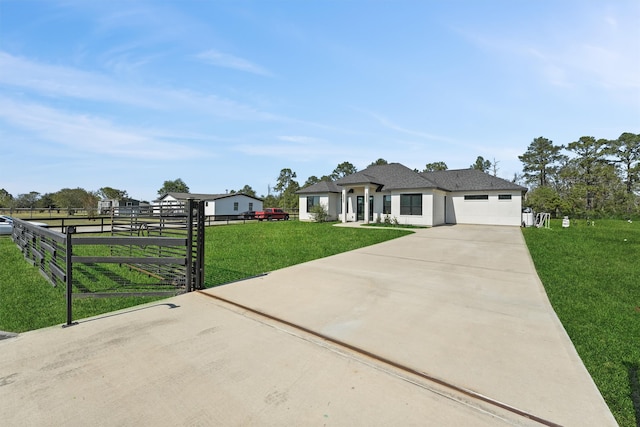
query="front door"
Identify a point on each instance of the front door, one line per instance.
(360, 208)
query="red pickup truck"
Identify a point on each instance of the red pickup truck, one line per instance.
(272, 213)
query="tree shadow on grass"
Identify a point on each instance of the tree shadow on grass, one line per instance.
(634, 381)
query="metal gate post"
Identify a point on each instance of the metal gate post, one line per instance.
(69, 275)
(189, 252)
(200, 247)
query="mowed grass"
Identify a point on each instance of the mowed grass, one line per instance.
(592, 276)
(28, 301)
(232, 252)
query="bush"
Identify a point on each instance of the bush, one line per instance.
(319, 213)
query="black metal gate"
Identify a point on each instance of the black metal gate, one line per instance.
(155, 252)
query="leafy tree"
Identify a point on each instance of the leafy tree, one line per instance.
(6, 199)
(314, 180)
(546, 199)
(626, 153)
(28, 200)
(285, 179)
(591, 170)
(342, 170)
(46, 201)
(481, 164)
(310, 181)
(269, 201)
(287, 186)
(175, 186)
(112, 193)
(380, 161)
(76, 198)
(435, 166)
(247, 190)
(90, 203)
(540, 161)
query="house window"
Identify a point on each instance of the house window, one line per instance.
(411, 204)
(504, 196)
(250, 206)
(476, 197)
(386, 205)
(235, 206)
(312, 201)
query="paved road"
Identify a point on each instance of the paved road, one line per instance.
(449, 326)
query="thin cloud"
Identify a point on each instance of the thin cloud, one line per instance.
(92, 135)
(58, 81)
(301, 149)
(53, 80)
(301, 139)
(221, 59)
(393, 126)
(602, 52)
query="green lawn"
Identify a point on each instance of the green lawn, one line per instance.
(592, 276)
(233, 252)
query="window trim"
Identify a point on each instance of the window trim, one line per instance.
(311, 202)
(476, 197)
(386, 204)
(413, 209)
(505, 197)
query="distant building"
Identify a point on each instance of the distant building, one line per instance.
(124, 206)
(219, 205)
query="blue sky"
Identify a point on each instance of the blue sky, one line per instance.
(222, 94)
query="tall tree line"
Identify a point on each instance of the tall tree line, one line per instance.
(588, 177)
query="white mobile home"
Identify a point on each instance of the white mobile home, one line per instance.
(218, 205)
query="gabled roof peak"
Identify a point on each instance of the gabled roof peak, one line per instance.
(392, 176)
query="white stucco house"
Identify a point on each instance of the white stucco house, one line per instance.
(219, 205)
(463, 196)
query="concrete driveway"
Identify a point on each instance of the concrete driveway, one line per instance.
(448, 326)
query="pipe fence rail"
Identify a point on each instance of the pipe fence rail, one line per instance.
(160, 253)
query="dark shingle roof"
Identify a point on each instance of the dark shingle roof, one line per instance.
(469, 180)
(185, 196)
(320, 187)
(200, 196)
(393, 176)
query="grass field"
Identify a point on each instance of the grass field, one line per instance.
(233, 252)
(592, 276)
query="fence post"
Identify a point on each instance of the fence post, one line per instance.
(200, 247)
(189, 253)
(69, 276)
